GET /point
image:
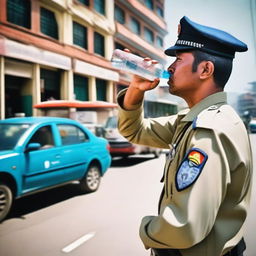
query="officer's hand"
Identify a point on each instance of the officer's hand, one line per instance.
(141, 83)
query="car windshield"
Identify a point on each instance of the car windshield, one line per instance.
(10, 134)
(111, 122)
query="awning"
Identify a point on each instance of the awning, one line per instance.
(74, 104)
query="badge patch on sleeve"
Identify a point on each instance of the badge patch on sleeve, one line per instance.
(190, 168)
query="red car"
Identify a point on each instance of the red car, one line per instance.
(119, 146)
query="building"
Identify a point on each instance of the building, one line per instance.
(53, 49)
(61, 49)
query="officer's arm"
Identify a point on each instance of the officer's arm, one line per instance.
(154, 132)
(191, 212)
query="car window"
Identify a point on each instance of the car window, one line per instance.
(43, 136)
(10, 134)
(71, 134)
(111, 122)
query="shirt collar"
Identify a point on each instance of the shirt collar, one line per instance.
(218, 98)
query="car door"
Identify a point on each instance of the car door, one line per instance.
(43, 166)
(76, 150)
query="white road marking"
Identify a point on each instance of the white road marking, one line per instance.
(78, 242)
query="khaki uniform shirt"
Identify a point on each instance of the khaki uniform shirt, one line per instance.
(205, 214)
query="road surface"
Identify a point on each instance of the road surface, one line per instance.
(64, 222)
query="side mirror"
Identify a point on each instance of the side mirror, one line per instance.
(33, 146)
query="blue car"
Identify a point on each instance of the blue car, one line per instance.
(37, 153)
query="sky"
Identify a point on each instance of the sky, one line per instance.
(237, 17)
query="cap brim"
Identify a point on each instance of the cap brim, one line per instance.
(172, 50)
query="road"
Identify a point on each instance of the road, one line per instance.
(64, 222)
(44, 224)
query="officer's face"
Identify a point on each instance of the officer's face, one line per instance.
(183, 81)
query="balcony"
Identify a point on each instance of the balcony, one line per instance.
(137, 42)
(147, 15)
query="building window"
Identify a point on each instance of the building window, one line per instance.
(149, 36)
(85, 2)
(48, 23)
(119, 46)
(19, 12)
(160, 11)
(149, 4)
(119, 15)
(159, 42)
(79, 35)
(99, 44)
(135, 26)
(101, 89)
(99, 6)
(50, 85)
(16, 101)
(81, 87)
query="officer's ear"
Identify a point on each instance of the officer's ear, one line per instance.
(206, 69)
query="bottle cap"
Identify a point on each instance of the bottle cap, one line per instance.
(166, 74)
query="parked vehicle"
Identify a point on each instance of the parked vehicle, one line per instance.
(119, 146)
(252, 126)
(38, 153)
(97, 129)
(92, 114)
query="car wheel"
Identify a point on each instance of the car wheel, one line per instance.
(91, 180)
(6, 199)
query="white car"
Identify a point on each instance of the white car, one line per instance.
(120, 146)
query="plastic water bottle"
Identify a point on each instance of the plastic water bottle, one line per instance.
(137, 65)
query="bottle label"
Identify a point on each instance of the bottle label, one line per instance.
(131, 65)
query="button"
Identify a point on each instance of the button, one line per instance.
(213, 107)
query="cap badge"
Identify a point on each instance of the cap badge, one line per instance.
(179, 29)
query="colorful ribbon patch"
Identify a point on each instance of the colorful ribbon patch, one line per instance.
(190, 168)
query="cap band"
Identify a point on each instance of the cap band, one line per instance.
(189, 43)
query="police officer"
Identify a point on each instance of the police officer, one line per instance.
(208, 172)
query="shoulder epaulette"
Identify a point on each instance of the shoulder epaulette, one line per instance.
(206, 119)
(216, 117)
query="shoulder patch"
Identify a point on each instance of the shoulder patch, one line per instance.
(190, 168)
